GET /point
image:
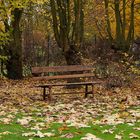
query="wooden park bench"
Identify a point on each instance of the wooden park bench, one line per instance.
(65, 72)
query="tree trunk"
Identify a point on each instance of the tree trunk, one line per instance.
(130, 36)
(124, 20)
(68, 31)
(123, 42)
(108, 21)
(14, 63)
(72, 56)
(118, 25)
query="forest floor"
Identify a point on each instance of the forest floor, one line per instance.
(112, 114)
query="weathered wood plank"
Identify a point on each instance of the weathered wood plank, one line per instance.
(63, 93)
(64, 76)
(70, 68)
(67, 84)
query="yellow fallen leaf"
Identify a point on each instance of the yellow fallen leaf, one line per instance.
(63, 128)
(122, 107)
(124, 114)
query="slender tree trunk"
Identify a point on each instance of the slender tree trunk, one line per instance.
(130, 36)
(78, 26)
(124, 20)
(118, 25)
(108, 21)
(55, 22)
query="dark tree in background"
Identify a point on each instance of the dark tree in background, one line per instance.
(14, 63)
(13, 49)
(68, 26)
(124, 35)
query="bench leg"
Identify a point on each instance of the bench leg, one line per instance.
(44, 93)
(49, 94)
(92, 90)
(86, 91)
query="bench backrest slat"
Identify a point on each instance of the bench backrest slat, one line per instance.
(38, 70)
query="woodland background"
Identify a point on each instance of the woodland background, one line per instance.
(43, 32)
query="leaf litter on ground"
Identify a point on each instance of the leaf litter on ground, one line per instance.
(38, 116)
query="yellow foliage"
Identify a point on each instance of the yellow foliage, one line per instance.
(95, 18)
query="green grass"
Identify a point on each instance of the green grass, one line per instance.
(17, 130)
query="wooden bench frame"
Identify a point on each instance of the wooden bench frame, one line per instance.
(85, 72)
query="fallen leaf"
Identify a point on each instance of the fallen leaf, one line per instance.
(137, 128)
(63, 128)
(79, 125)
(118, 137)
(49, 134)
(6, 120)
(133, 136)
(68, 136)
(5, 133)
(2, 113)
(124, 114)
(108, 131)
(89, 136)
(40, 134)
(28, 134)
(24, 120)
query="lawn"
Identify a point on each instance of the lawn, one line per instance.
(106, 132)
(62, 122)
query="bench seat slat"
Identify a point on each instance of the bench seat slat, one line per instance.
(63, 93)
(64, 76)
(67, 84)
